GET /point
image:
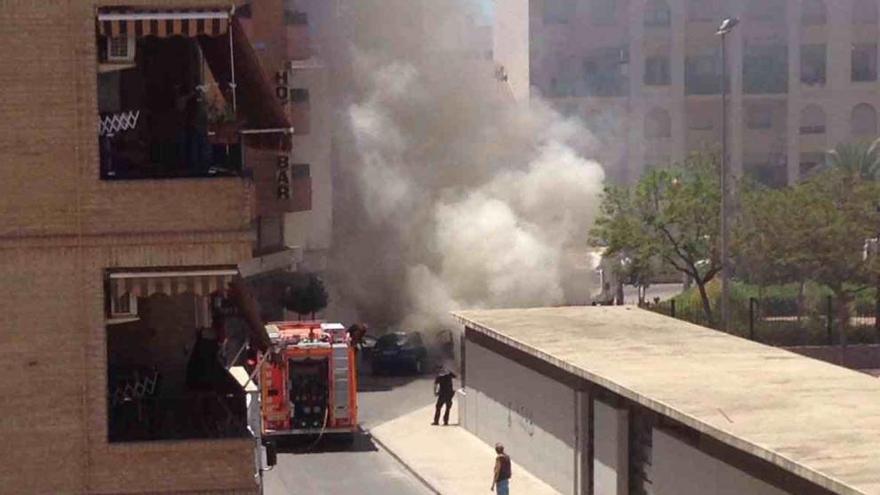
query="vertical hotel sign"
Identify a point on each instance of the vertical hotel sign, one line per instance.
(282, 164)
(282, 177)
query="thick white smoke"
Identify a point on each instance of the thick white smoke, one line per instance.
(455, 196)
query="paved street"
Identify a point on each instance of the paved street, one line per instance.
(333, 468)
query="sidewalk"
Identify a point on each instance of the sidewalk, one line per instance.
(448, 458)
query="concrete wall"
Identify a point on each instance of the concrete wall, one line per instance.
(532, 415)
(312, 229)
(679, 469)
(610, 450)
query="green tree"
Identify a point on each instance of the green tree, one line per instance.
(671, 215)
(816, 230)
(860, 159)
(307, 298)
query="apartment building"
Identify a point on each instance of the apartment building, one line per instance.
(646, 77)
(280, 34)
(137, 142)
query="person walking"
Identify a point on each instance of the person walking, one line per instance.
(444, 391)
(501, 477)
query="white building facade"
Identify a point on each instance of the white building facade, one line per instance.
(646, 76)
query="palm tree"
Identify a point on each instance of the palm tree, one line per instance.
(861, 159)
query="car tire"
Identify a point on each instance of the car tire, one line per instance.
(377, 370)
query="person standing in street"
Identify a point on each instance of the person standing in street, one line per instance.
(444, 391)
(501, 477)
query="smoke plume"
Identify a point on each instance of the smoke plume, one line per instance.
(450, 194)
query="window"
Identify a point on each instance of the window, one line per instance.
(558, 11)
(301, 187)
(810, 163)
(759, 117)
(299, 95)
(864, 12)
(766, 11)
(300, 171)
(812, 120)
(813, 13)
(164, 102)
(603, 12)
(566, 80)
(702, 73)
(765, 69)
(864, 62)
(813, 65)
(768, 169)
(160, 376)
(703, 10)
(657, 71)
(657, 14)
(863, 120)
(657, 124)
(155, 123)
(700, 120)
(300, 111)
(270, 233)
(606, 72)
(295, 18)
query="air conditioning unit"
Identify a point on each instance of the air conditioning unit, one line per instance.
(120, 49)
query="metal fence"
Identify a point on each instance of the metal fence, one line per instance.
(785, 322)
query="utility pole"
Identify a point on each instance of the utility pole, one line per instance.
(726, 27)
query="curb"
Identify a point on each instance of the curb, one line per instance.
(428, 484)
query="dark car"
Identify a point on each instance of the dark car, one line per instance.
(368, 343)
(400, 351)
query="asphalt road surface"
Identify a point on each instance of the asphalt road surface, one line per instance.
(332, 468)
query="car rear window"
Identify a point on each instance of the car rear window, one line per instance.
(390, 340)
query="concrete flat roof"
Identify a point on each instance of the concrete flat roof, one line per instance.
(817, 420)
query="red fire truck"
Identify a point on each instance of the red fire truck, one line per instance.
(308, 380)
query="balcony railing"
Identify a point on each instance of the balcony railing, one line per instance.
(132, 147)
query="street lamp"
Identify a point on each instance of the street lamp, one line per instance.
(726, 27)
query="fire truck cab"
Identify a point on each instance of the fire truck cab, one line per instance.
(308, 380)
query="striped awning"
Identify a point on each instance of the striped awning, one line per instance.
(147, 283)
(163, 23)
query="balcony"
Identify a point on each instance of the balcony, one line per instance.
(172, 334)
(181, 94)
(136, 147)
(298, 39)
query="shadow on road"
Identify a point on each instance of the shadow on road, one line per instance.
(396, 378)
(369, 383)
(361, 442)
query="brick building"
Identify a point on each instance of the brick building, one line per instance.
(646, 76)
(134, 140)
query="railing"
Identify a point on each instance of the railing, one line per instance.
(140, 410)
(131, 147)
(785, 322)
